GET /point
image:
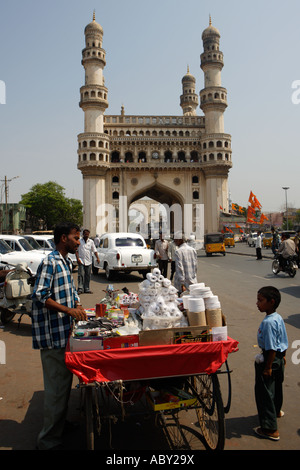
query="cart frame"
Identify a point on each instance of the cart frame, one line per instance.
(209, 411)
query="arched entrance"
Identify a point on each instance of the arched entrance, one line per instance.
(157, 208)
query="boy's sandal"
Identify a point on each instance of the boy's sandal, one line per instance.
(280, 414)
(265, 435)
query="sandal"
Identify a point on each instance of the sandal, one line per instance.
(280, 414)
(265, 435)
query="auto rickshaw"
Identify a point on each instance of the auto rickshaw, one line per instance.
(214, 243)
(267, 239)
(229, 239)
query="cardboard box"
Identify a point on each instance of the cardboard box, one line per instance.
(128, 341)
(166, 335)
(156, 404)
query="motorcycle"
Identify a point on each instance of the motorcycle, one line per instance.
(290, 265)
(17, 290)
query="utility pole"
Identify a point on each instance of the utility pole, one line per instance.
(6, 182)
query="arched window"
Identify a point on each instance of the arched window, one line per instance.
(128, 157)
(168, 156)
(195, 194)
(115, 157)
(142, 157)
(195, 180)
(181, 157)
(194, 156)
(115, 179)
(115, 195)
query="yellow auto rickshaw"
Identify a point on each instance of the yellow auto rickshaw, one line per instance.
(214, 243)
(267, 239)
(229, 239)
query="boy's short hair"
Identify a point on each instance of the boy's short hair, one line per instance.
(64, 228)
(271, 293)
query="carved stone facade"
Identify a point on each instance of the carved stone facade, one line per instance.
(181, 160)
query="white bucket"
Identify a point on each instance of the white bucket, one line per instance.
(219, 334)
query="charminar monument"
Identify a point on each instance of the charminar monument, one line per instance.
(179, 161)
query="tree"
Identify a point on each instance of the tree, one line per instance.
(47, 202)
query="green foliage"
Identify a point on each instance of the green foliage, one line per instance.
(48, 202)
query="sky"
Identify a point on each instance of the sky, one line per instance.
(148, 46)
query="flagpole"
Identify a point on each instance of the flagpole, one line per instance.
(286, 207)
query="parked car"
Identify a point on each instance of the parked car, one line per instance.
(10, 258)
(124, 252)
(252, 239)
(34, 244)
(47, 242)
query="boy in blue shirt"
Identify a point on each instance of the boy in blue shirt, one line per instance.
(269, 372)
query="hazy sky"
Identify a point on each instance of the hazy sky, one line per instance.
(148, 46)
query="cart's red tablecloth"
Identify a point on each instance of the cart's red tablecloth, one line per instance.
(145, 362)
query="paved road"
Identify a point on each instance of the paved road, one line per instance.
(235, 279)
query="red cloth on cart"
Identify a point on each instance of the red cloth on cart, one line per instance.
(145, 362)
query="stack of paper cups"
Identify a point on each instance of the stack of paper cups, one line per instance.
(192, 287)
(213, 311)
(196, 311)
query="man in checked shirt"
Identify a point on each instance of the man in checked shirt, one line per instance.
(55, 303)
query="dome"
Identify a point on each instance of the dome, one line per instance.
(210, 31)
(93, 27)
(188, 77)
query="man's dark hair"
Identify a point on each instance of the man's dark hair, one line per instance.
(64, 228)
(271, 293)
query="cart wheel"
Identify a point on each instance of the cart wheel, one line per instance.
(89, 419)
(179, 437)
(211, 412)
(6, 315)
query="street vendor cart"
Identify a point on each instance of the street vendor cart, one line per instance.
(109, 374)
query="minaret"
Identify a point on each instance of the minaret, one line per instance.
(213, 97)
(189, 97)
(93, 144)
(216, 145)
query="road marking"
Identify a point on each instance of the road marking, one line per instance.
(259, 277)
(235, 271)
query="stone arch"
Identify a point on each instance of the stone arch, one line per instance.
(172, 202)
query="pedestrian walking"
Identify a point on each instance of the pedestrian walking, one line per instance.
(185, 264)
(55, 303)
(172, 250)
(84, 256)
(162, 253)
(269, 366)
(258, 246)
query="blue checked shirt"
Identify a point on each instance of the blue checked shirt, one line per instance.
(50, 329)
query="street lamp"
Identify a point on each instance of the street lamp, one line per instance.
(286, 207)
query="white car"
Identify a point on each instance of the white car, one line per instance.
(9, 258)
(123, 252)
(47, 242)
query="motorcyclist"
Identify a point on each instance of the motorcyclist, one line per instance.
(286, 249)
